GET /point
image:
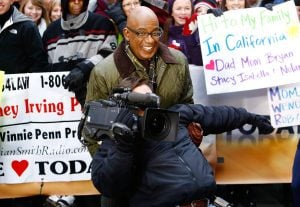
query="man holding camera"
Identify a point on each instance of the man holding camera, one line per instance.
(151, 172)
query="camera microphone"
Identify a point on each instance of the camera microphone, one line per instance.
(139, 99)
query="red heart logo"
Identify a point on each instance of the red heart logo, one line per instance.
(210, 65)
(19, 166)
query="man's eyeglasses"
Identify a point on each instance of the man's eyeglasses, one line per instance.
(143, 34)
(135, 3)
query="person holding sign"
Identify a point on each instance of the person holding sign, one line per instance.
(166, 172)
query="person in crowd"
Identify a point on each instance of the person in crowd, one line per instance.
(76, 43)
(201, 7)
(54, 10)
(227, 5)
(296, 166)
(142, 54)
(177, 30)
(117, 10)
(155, 172)
(36, 10)
(21, 47)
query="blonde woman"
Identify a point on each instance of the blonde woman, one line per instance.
(36, 10)
(54, 10)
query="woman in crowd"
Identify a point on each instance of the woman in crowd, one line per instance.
(182, 14)
(227, 5)
(54, 10)
(36, 10)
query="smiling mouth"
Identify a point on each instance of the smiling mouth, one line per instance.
(148, 49)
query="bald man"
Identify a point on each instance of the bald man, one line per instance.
(142, 54)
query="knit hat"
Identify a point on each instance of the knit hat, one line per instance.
(210, 4)
(297, 2)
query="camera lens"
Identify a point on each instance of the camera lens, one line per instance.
(158, 126)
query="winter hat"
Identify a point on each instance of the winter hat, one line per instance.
(210, 4)
(297, 2)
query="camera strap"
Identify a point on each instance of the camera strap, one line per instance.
(152, 73)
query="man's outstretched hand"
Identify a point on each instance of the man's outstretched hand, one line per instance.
(263, 123)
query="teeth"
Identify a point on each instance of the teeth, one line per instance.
(148, 48)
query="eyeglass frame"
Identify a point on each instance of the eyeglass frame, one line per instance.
(130, 4)
(146, 34)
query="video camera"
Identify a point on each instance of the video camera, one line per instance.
(99, 117)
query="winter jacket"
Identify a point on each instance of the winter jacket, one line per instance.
(21, 47)
(163, 173)
(85, 39)
(173, 80)
(189, 45)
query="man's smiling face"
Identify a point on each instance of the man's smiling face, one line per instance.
(143, 47)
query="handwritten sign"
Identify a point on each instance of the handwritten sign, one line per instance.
(284, 105)
(38, 131)
(250, 48)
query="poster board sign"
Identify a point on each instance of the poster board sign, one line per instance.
(38, 131)
(243, 155)
(250, 48)
(284, 105)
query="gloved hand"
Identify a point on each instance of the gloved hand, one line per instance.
(216, 12)
(269, 6)
(74, 80)
(123, 131)
(263, 123)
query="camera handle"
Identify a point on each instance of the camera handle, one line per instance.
(121, 130)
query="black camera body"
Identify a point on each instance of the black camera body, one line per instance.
(100, 118)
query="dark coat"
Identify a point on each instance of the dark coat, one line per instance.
(21, 47)
(164, 173)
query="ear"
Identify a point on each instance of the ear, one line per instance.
(126, 34)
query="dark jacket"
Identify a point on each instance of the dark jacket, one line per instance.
(164, 173)
(189, 45)
(21, 47)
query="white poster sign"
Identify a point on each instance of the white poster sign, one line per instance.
(38, 131)
(284, 105)
(251, 48)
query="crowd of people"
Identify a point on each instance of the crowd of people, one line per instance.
(102, 42)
